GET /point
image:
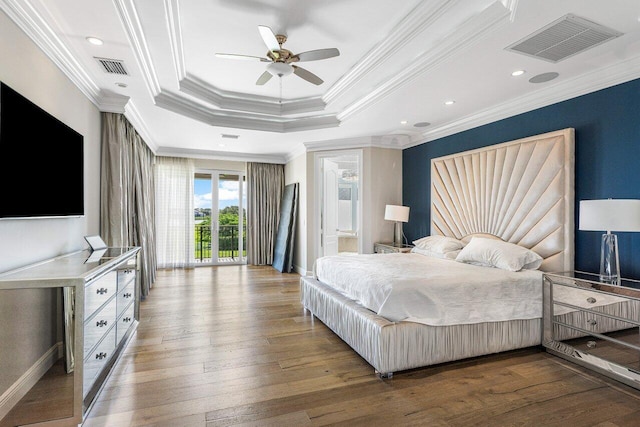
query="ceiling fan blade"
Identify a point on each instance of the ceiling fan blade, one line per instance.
(307, 75)
(265, 77)
(242, 57)
(314, 55)
(269, 38)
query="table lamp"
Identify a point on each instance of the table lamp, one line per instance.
(610, 215)
(399, 214)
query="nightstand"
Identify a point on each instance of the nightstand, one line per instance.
(593, 324)
(390, 247)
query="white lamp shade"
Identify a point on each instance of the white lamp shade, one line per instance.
(396, 213)
(610, 215)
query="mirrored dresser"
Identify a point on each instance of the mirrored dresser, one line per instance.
(96, 301)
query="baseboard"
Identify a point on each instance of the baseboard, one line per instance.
(18, 389)
(301, 271)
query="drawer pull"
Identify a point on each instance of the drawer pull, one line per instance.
(592, 322)
(101, 355)
(591, 300)
(127, 295)
(126, 319)
(102, 291)
(101, 323)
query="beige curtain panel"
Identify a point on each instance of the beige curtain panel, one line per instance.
(265, 184)
(127, 194)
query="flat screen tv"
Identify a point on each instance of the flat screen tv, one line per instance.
(41, 161)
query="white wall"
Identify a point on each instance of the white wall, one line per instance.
(296, 171)
(26, 316)
(381, 184)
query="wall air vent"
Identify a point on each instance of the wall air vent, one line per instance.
(563, 38)
(112, 66)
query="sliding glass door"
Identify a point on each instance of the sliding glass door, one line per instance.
(220, 217)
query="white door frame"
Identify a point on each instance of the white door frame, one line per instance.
(215, 226)
(318, 199)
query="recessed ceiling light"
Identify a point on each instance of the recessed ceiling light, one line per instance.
(518, 73)
(222, 145)
(119, 84)
(94, 40)
(449, 102)
(404, 122)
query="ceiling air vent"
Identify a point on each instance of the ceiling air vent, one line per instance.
(113, 66)
(563, 38)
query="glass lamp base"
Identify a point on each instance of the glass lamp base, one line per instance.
(397, 235)
(609, 264)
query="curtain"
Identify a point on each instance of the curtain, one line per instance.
(174, 212)
(127, 194)
(265, 184)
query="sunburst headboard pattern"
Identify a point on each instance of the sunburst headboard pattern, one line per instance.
(520, 191)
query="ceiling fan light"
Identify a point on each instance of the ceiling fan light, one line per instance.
(279, 69)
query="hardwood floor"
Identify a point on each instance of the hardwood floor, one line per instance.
(231, 345)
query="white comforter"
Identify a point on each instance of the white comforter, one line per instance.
(418, 288)
(433, 291)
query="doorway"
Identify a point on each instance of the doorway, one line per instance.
(339, 207)
(220, 217)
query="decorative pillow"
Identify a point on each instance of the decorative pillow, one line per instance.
(499, 254)
(439, 244)
(447, 255)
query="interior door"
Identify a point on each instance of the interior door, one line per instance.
(330, 208)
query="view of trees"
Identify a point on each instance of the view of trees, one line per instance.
(228, 232)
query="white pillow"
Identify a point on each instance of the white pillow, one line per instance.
(446, 255)
(438, 244)
(499, 254)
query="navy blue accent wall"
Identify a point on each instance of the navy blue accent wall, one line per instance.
(607, 125)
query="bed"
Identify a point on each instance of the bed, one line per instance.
(520, 193)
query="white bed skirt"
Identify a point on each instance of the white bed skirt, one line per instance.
(396, 346)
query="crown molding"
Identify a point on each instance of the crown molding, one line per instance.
(564, 90)
(417, 21)
(172, 17)
(31, 23)
(298, 151)
(250, 103)
(133, 115)
(128, 14)
(221, 155)
(113, 102)
(460, 38)
(240, 120)
(396, 141)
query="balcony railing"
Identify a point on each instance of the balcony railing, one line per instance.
(228, 249)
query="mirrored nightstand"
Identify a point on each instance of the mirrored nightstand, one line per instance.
(390, 247)
(593, 324)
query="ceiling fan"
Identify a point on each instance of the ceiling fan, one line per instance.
(281, 60)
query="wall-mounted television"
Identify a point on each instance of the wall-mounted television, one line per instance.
(41, 161)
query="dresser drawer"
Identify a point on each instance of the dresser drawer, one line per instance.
(95, 361)
(97, 326)
(125, 277)
(98, 292)
(125, 322)
(125, 297)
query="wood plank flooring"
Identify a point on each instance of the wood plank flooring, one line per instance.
(232, 346)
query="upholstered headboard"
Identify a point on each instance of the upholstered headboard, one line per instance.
(520, 191)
